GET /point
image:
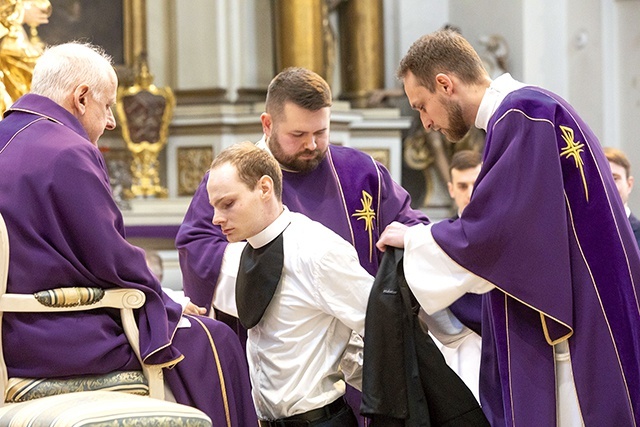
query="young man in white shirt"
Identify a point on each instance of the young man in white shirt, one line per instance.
(296, 347)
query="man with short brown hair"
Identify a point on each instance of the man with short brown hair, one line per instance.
(621, 171)
(300, 292)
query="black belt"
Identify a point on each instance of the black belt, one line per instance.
(308, 417)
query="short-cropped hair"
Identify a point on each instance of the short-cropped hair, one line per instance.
(618, 157)
(251, 163)
(465, 159)
(299, 86)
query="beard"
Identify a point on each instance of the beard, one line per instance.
(293, 162)
(457, 127)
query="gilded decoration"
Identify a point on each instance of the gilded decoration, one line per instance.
(18, 52)
(193, 162)
(381, 155)
(145, 112)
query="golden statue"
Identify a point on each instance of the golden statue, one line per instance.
(18, 54)
(145, 112)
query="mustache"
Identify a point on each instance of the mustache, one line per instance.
(306, 152)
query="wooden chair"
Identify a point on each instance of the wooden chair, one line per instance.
(88, 391)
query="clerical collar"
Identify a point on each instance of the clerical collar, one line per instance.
(627, 210)
(272, 231)
(493, 97)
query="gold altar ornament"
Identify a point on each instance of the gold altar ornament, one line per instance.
(18, 54)
(145, 112)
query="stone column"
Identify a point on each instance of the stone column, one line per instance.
(135, 21)
(299, 34)
(362, 49)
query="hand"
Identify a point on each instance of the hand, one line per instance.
(194, 310)
(393, 235)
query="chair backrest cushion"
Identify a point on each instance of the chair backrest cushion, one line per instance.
(24, 389)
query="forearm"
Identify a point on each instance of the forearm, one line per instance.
(435, 279)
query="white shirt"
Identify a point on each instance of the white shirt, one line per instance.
(294, 352)
(493, 97)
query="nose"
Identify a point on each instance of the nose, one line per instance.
(217, 218)
(111, 121)
(310, 143)
(426, 121)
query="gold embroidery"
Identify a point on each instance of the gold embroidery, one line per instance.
(573, 149)
(368, 215)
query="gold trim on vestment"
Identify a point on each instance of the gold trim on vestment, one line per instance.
(344, 200)
(223, 387)
(24, 127)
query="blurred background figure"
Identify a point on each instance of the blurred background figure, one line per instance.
(154, 262)
(621, 171)
(463, 172)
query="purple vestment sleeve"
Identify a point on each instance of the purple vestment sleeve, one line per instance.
(546, 226)
(201, 246)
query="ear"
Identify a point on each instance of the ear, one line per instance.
(265, 184)
(444, 84)
(80, 95)
(267, 124)
(450, 188)
(630, 182)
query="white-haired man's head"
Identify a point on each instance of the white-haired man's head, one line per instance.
(80, 77)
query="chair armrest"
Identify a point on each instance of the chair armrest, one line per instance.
(113, 298)
(82, 299)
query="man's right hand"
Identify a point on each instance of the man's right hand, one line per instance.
(393, 235)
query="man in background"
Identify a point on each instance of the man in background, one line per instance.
(463, 172)
(621, 170)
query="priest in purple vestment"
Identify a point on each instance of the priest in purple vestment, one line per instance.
(344, 189)
(545, 239)
(65, 230)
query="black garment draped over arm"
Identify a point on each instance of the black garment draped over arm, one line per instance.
(406, 381)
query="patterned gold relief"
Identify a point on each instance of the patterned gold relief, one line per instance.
(193, 162)
(381, 155)
(145, 112)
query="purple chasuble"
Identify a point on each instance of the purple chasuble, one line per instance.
(546, 225)
(65, 230)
